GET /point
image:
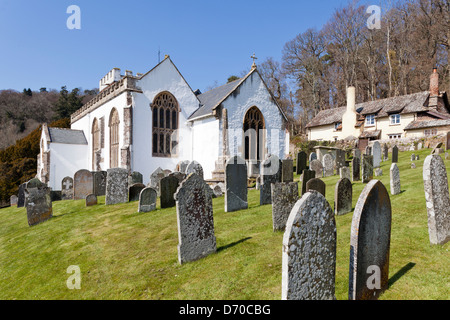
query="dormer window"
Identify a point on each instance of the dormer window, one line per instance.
(370, 120)
(338, 126)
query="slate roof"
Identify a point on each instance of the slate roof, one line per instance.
(328, 116)
(68, 136)
(213, 97)
(427, 124)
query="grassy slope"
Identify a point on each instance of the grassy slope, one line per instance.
(123, 254)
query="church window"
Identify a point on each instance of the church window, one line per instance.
(95, 143)
(114, 139)
(165, 122)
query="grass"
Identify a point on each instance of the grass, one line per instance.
(123, 254)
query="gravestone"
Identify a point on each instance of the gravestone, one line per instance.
(135, 177)
(179, 175)
(91, 199)
(357, 153)
(413, 157)
(417, 157)
(437, 199)
(312, 156)
(287, 170)
(369, 243)
(306, 176)
(270, 173)
(378, 172)
(367, 168)
(340, 159)
(344, 172)
(83, 184)
(235, 184)
(328, 164)
(13, 200)
(134, 191)
(217, 191)
(419, 146)
(394, 179)
(181, 166)
(99, 183)
(38, 204)
(116, 186)
(195, 220)
(413, 165)
(368, 151)
(356, 169)
(394, 154)
(67, 188)
(301, 162)
(33, 184)
(21, 196)
(168, 186)
(316, 166)
(385, 152)
(147, 200)
(309, 250)
(317, 185)
(447, 141)
(284, 197)
(55, 195)
(376, 154)
(343, 196)
(195, 167)
(155, 177)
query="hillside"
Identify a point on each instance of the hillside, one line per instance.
(123, 254)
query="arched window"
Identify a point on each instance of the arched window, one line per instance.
(165, 122)
(114, 139)
(95, 144)
(254, 134)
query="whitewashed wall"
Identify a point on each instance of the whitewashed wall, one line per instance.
(205, 137)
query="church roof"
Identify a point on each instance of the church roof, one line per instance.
(210, 99)
(68, 136)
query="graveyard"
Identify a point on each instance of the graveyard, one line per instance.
(126, 254)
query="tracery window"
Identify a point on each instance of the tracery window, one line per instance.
(164, 124)
(95, 143)
(114, 139)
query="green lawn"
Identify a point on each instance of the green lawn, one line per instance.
(123, 254)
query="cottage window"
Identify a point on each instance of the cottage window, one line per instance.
(395, 118)
(395, 136)
(430, 132)
(370, 120)
(165, 123)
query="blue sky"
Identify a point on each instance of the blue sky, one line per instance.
(207, 40)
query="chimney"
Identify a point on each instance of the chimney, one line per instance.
(351, 99)
(434, 83)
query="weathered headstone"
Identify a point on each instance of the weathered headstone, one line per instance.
(181, 166)
(195, 220)
(419, 146)
(367, 168)
(316, 166)
(287, 170)
(147, 200)
(378, 172)
(91, 199)
(55, 195)
(179, 175)
(357, 153)
(168, 186)
(217, 191)
(155, 177)
(376, 154)
(356, 169)
(447, 141)
(284, 197)
(385, 152)
(135, 177)
(21, 196)
(270, 173)
(99, 182)
(417, 157)
(413, 165)
(369, 243)
(316, 184)
(134, 191)
(328, 165)
(437, 199)
(195, 167)
(309, 250)
(301, 162)
(344, 172)
(413, 157)
(38, 204)
(394, 179)
(343, 196)
(13, 200)
(394, 154)
(33, 184)
(83, 184)
(368, 151)
(312, 156)
(235, 184)
(306, 176)
(67, 188)
(340, 159)
(116, 186)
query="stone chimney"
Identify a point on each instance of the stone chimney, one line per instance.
(434, 83)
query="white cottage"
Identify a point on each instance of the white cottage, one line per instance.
(145, 121)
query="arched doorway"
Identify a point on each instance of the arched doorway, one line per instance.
(253, 138)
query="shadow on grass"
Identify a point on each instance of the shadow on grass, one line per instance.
(400, 273)
(232, 244)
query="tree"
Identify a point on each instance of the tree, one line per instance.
(232, 78)
(68, 103)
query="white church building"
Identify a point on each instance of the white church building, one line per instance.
(145, 121)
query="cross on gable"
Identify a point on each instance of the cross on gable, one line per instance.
(254, 58)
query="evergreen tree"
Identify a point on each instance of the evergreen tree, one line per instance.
(68, 103)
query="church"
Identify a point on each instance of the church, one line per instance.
(144, 121)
